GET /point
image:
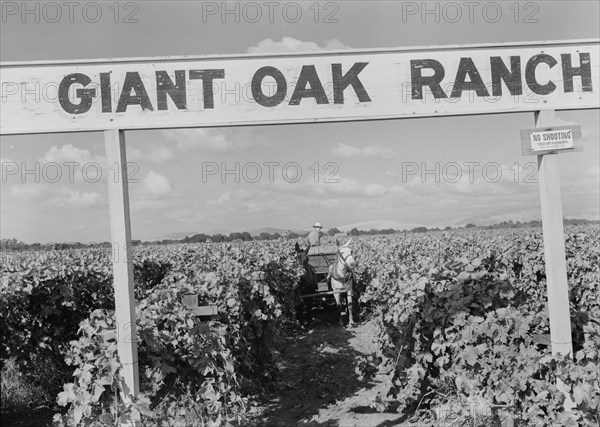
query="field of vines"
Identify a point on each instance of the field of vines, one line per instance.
(462, 316)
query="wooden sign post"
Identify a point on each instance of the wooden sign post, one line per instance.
(554, 245)
(552, 227)
(120, 230)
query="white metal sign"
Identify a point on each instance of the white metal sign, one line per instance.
(551, 140)
(298, 88)
(536, 141)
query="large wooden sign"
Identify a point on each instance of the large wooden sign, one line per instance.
(297, 88)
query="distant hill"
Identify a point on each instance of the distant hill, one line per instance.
(220, 231)
(497, 221)
(177, 235)
(269, 230)
(384, 224)
(377, 225)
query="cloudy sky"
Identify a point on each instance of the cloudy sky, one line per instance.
(350, 172)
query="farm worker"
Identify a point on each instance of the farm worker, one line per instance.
(314, 238)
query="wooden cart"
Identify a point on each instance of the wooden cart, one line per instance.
(321, 260)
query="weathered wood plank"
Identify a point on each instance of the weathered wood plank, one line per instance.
(542, 339)
(554, 252)
(205, 310)
(184, 92)
(120, 230)
(190, 300)
(323, 293)
(554, 245)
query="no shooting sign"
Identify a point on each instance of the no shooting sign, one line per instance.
(549, 140)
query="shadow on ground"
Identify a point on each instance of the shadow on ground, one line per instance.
(318, 370)
(38, 417)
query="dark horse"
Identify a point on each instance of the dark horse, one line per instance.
(307, 284)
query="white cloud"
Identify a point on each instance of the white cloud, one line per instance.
(305, 195)
(215, 140)
(212, 140)
(156, 154)
(237, 203)
(456, 179)
(374, 190)
(241, 200)
(206, 139)
(61, 197)
(154, 192)
(28, 191)
(148, 205)
(290, 44)
(154, 186)
(67, 197)
(348, 151)
(74, 165)
(580, 182)
(191, 213)
(349, 187)
(229, 196)
(69, 153)
(400, 190)
(557, 121)
(475, 197)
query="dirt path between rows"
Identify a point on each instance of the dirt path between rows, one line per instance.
(318, 385)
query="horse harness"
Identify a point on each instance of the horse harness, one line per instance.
(334, 273)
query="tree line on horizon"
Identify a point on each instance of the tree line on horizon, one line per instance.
(15, 245)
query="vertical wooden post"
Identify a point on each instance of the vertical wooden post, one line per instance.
(554, 245)
(120, 230)
(554, 251)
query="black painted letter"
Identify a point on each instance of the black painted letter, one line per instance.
(350, 78)
(308, 75)
(584, 71)
(512, 78)
(530, 74)
(466, 67)
(105, 92)
(207, 77)
(257, 93)
(86, 95)
(418, 81)
(176, 91)
(133, 81)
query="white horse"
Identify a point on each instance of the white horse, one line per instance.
(340, 274)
